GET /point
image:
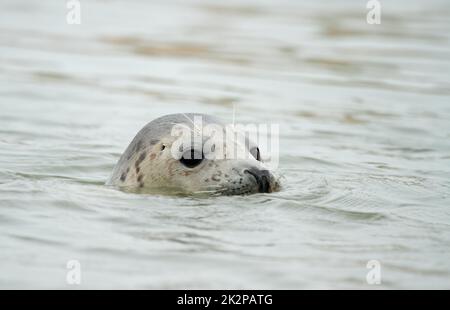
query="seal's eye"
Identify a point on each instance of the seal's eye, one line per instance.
(192, 158)
(255, 152)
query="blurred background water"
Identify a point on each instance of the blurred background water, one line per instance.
(365, 142)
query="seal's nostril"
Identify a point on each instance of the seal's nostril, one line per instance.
(264, 185)
(262, 178)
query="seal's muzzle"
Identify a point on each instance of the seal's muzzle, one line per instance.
(263, 179)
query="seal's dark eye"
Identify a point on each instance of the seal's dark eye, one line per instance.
(192, 158)
(255, 152)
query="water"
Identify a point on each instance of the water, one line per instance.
(365, 143)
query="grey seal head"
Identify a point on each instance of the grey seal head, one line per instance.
(159, 158)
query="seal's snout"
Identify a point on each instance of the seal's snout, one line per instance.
(263, 178)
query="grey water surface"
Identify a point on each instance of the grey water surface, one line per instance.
(364, 115)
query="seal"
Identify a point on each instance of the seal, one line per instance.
(173, 154)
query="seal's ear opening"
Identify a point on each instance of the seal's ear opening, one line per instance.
(255, 153)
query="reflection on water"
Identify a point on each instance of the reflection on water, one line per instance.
(365, 143)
